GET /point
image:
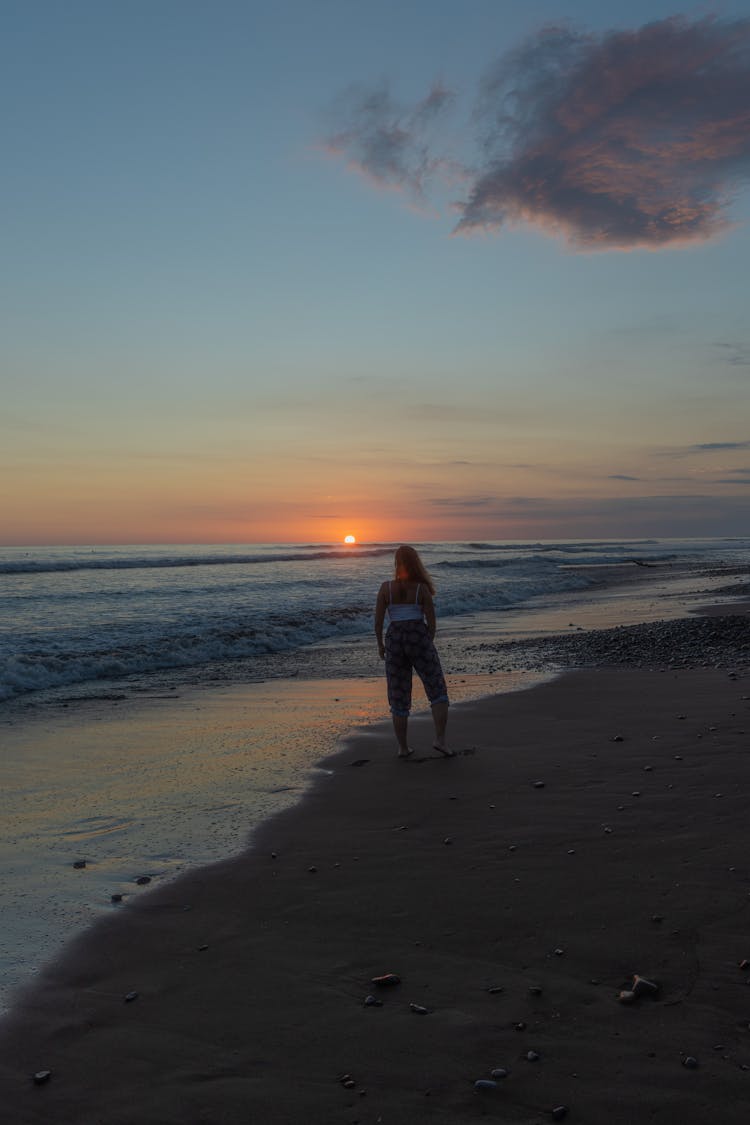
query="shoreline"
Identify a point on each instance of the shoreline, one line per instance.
(206, 814)
(499, 902)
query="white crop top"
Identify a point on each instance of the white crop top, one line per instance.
(404, 611)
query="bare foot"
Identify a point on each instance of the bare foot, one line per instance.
(406, 753)
(442, 749)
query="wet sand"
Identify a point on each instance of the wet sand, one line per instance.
(513, 912)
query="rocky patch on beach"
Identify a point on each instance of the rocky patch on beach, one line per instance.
(693, 642)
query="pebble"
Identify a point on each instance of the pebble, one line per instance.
(79, 864)
(130, 997)
(418, 1009)
(571, 851)
(535, 990)
(512, 847)
(142, 880)
(484, 1084)
(559, 1112)
(636, 793)
(657, 917)
(372, 1002)
(539, 785)
(520, 1026)
(347, 1082)
(494, 989)
(313, 870)
(626, 996)
(648, 769)
(448, 840)
(360, 762)
(386, 979)
(532, 1056)
(499, 1072)
(643, 987)
(617, 738)
(690, 1062)
(115, 898)
(559, 952)
(744, 965)
(41, 1077)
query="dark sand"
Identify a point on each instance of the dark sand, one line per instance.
(460, 876)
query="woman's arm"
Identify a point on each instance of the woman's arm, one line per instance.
(380, 608)
(428, 607)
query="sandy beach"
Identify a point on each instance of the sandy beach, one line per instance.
(588, 830)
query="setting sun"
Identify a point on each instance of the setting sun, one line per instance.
(349, 539)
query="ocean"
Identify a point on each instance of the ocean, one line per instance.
(83, 617)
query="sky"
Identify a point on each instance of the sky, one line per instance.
(414, 270)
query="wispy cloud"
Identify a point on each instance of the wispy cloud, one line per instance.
(621, 476)
(704, 447)
(618, 140)
(394, 146)
(736, 355)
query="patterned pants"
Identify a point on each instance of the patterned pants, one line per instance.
(408, 646)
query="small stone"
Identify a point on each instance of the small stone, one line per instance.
(636, 793)
(571, 851)
(130, 997)
(744, 965)
(539, 785)
(115, 898)
(499, 1072)
(202, 948)
(313, 870)
(512, 847)
(386, 979)
(607, 830)
(448, 840)
(494, 989)
(648, 769)
(373, 1002)
(418, 1009)
(626, 996)
(617, 738)
(678, 757)
(348, 1083)
(41, 1077)
(79, 864)
(359, 761)
(274, 855)
(532, 1056)
(535, 990)
(559, 952)
(690, 1062)
(559, 1112)
(483, 1085)
(520, 1026)
(142, 880)
(643, 987)
(657, 918)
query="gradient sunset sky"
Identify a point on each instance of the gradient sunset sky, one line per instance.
(443, 269)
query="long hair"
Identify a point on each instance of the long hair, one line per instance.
(408, 564)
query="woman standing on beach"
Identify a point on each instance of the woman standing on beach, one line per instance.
(409, 645)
